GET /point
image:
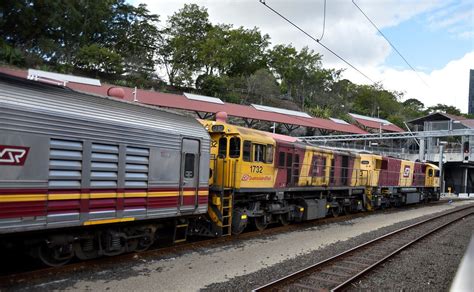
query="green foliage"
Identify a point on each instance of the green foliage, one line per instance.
(179, 45)
(99, 60)
(320, 112)
(448, 109)
(300, 73)
(65, 34)
(122, 43)
(212, 85)
(11, 55)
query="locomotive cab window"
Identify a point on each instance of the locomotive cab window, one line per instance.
(223, 147)
(378, 164)
(269, 154)
(189, 165)
(430, 172)
(437, 173)
(259, 153)
(247, 151)
(234, 147)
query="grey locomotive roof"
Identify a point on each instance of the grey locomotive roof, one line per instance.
(50, 100)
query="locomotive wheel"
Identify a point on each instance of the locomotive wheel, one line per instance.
(335, 211)
(347, 210)
(260, 223)
(238, 224)
(56, 255)
(284, 220)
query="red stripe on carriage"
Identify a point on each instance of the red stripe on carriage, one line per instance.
(22, 209)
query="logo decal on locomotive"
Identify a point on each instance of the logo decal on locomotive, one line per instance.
(13, 155)
(406, 172)
(247, 177)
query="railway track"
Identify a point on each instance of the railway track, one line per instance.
(338, 272)
(25, 274)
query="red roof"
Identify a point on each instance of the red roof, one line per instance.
(178, 101)
(370, 123)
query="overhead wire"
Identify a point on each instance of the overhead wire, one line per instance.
(324, 22)
(316, 40)
(389, 42)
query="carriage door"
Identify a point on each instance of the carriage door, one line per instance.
(189, 177)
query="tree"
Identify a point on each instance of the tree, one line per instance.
(62, 34)
(373, 100)
(181, 40)
(135, 35)
(300, 73)
(262, 84)
(98, 60)
(414, 104)
(448, 109)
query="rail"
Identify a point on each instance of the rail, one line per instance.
(355, 269)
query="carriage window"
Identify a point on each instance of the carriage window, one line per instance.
(281, 159)
(234, 147)
(189, 165)
(247, 149)
(269, 154)
(430, 172)
(222, 147)
(259, 153)
(289, 160)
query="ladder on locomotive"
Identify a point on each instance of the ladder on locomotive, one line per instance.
(226, 211)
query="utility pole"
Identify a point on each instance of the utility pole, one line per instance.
(441, 170)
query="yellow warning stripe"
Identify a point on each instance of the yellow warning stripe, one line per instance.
(55, 197)
(162, 194)
(23, 198)
(92, 195)
(103, 195)
(107, 221)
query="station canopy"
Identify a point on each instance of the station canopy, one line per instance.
(205, 106)
(371, 123)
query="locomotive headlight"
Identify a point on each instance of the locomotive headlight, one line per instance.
(218, 128)
(301, 209)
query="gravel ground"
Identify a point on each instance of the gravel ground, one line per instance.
(248, 263)
(430, 264)
(261, 277)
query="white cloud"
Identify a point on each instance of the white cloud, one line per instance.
(347, 31)
(456, 17)
(350, 35)
(449, 85)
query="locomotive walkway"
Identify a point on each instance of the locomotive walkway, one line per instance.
(339, 271)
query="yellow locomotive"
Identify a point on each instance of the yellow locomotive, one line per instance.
(261, 178)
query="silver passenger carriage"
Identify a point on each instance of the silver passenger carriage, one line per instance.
(69, 159)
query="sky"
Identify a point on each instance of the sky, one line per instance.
(436, 37)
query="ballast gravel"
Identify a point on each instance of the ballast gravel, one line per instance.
(430, 264)
(240, 265)
(255, 280)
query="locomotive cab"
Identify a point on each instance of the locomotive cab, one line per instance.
(432, 176)
(370, 166)
(240, 158)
